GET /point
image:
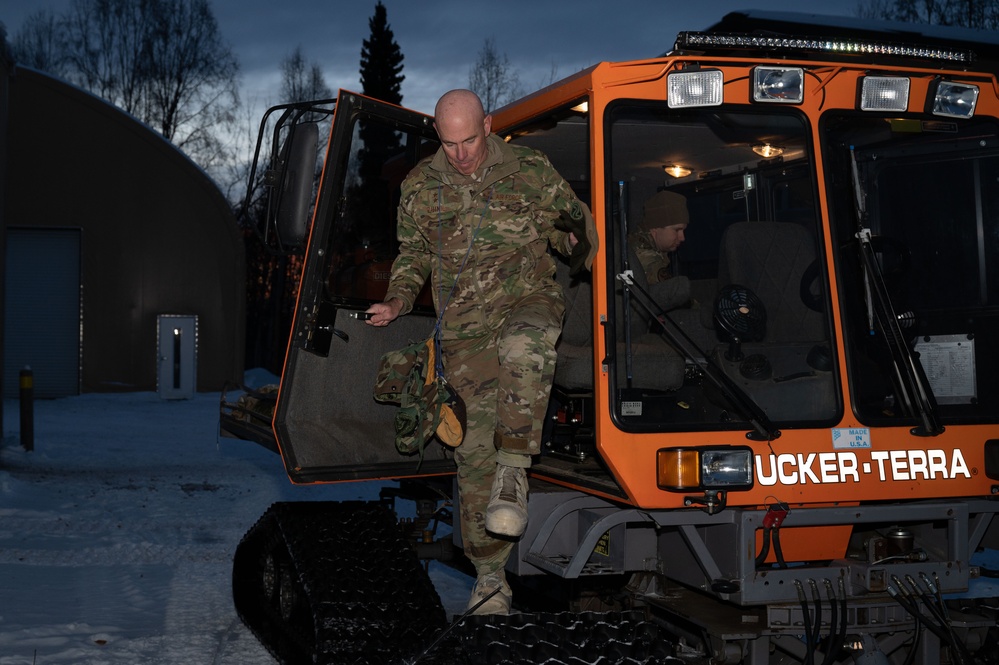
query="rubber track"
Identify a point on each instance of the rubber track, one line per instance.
(585, 638)
(360, 595)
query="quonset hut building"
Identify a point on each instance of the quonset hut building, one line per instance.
(123, 262)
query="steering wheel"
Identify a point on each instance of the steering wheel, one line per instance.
(893, 256)
(810, 289)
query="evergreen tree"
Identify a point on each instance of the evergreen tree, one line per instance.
(370, 195)
(381, 78)
(381, 60)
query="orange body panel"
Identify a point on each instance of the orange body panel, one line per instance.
(802, 466)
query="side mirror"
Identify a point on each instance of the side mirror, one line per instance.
(294, 191)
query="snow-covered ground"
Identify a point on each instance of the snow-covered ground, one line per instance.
(117, 532)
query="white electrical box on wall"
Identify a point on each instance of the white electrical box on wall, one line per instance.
(177, 355)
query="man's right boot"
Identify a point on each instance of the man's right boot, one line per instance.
(491, 593)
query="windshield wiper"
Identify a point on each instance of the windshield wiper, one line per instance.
(763, 428)
(915, 393)
(739, 399)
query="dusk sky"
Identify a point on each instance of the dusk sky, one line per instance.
(440, 39)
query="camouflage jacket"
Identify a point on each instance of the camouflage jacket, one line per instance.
(655, 264)
(514, 205)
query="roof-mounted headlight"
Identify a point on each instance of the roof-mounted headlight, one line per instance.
(700, 87)
(693, 469)
(952, 100)
(778, 84)
(884, 93)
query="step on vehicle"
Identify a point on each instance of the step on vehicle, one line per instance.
(796, 463)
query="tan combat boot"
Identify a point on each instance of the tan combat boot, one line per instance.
(506, 514)
(491, 594)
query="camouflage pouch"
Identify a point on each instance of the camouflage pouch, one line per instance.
(399, 370)
(427, 404)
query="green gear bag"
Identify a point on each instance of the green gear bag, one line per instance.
(428, 405)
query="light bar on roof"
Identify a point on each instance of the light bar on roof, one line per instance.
(953, 100)
(695, 87)
(703, 40)
(884, 93)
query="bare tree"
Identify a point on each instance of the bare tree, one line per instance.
(106, 49)
(492, 79)
(552, 76)
(191, 78)
(301, 81)
(304, 82)
(38, 44)
(876, 9)
(980, 14)
(163, 61)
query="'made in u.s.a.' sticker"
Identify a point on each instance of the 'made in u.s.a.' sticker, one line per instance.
(847, 438)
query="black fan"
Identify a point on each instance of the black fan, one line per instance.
(741, 314)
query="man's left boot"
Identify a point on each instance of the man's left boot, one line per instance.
(506, 514)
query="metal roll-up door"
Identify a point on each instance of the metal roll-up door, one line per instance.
(42, 310)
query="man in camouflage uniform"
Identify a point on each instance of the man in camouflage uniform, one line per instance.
(479, 217)
(660, 233)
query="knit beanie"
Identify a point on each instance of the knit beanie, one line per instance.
(666, 208)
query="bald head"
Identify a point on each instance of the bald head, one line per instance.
(464, 102)
(462, 126)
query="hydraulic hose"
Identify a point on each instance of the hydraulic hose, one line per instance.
(778, 552)
(933, 602)
(817, 626)
(806, 623)
(844, 617)
(901, 597)
(832, 648)
(765, 548)
(917, 631)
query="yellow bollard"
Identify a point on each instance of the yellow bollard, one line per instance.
(27, 409)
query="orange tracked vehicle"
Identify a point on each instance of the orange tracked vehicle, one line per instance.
(797, 459)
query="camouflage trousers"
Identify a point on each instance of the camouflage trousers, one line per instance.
(505, 380)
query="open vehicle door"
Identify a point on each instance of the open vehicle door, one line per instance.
(327, 425)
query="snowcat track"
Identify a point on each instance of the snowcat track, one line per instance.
(564, 638)
(330, 582)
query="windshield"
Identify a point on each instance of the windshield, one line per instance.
(713, 212)
(929, 201)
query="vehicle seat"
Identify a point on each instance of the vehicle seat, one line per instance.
(656, 365)
(770, 258)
